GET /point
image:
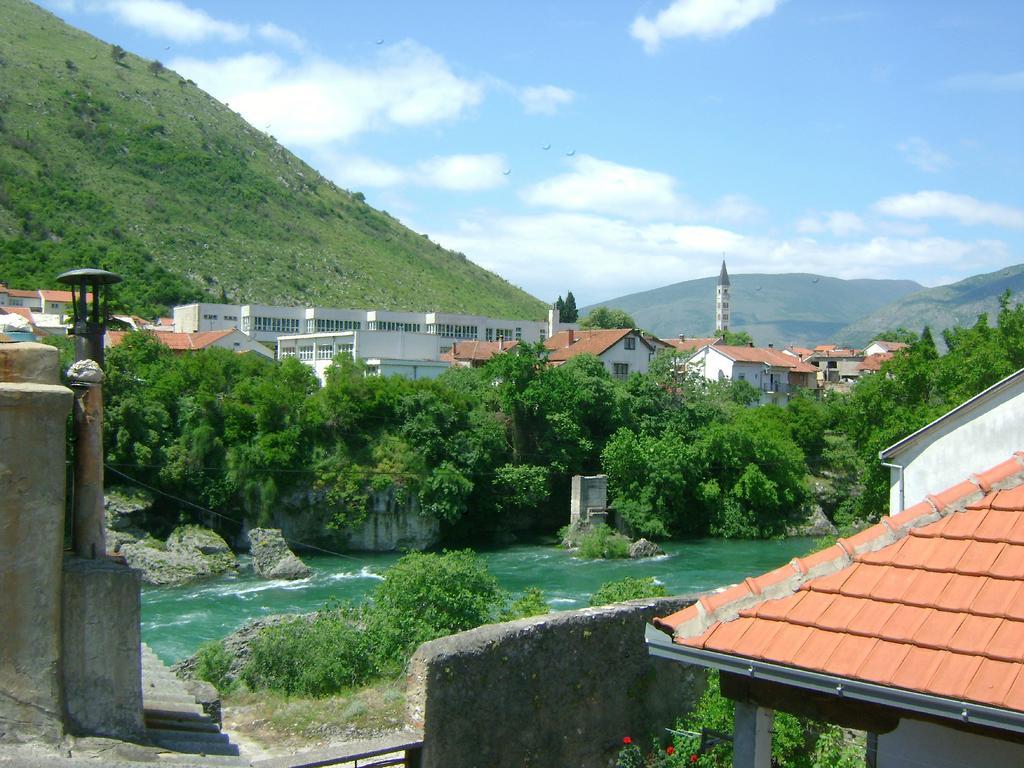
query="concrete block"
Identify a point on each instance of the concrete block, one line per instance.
(33, 415)
(102, 663)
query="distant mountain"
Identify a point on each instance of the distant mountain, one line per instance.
(940, 308)
(799, 308)
(107, 159)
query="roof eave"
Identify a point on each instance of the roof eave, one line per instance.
(662, 645)
(897, 448)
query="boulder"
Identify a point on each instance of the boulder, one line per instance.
(125, 509)
(190, 553)
(644, 548)
(817, 524)
(271, 558)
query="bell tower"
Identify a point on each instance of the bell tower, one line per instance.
(722, 300)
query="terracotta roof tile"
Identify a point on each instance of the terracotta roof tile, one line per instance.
(931, 601)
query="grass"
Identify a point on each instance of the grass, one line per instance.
(277, 722)
(117, 165)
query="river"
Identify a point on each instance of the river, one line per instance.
(176, 620)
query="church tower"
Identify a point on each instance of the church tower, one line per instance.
(722, 300)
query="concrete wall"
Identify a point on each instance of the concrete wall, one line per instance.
(588, 492)
(33, 414)
(985, 433)
(393, 526)
(101, 661)
(638, 359)
(915, 743)
(555, 690)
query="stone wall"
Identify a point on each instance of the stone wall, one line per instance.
(394, 524)
(555, 690)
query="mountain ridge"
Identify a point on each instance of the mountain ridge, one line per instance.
(107, 159)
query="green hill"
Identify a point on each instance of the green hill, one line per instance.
(122, 164)
(800, 309)
(940, 308)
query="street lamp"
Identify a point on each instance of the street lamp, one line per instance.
(89, 318)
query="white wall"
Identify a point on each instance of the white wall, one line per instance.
(191, 318)
(985, 433)
(388, 348)
(915, 744)
(638, 359)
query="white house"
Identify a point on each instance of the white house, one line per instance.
(878, 347)
(774, 374)
(622, 350)
(978, 433)
(413, 355)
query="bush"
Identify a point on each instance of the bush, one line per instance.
(532, 603)
(213, 664)
(316, 658)
(601, 542)
(629, 588)
(426, 596)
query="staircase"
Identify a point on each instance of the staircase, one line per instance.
(175, 722)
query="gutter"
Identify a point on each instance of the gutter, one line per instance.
(661, 645)
(902, 485)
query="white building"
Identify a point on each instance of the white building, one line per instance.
(979, 433)
(622, 350)
(771, 372)
(722, 311)
(413, 355)
(192, 318)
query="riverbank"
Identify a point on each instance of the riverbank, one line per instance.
(177, 620)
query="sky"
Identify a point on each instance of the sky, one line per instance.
(613, 146)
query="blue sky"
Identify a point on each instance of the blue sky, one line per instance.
(611, 147)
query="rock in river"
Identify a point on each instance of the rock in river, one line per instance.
(190, 552)
(271, 558)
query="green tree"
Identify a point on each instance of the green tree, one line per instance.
(605, 317)
(735, 338)
(569, 312)
(900, 334)
(117, 53)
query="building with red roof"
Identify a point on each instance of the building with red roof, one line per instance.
(622, 350)
(775, 374)
(912, 629)
(474, 354)
(231, 339)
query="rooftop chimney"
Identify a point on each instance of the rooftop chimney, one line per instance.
(572, 336)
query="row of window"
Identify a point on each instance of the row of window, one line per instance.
(504, 334)
(453, 331)
(388, 325)
(326, 325)
(259, 323)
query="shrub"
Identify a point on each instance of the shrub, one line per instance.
(213, 664)
(311, 658)
(532, 603)
(601, 542)
(629, 588)
(426, 596)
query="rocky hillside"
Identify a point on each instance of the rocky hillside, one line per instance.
(110, 160)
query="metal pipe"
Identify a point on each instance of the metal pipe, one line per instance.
(88, 531)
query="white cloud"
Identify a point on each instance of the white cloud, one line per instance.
(923, 155)
(699, 18)
(986, 81)
(608, 257)
(838, 223)
(320, 101)
(606, 187)
(281, 36)
(544, 99)
(63, 6)
(173, 20)
(963, 208)
(458, 173)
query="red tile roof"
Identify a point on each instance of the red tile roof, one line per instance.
(874, 362)
(24, 312)
(177, 341)
(930, 600)
(477, 351)
(684, 344)
(64, 296)
(890, 346)
(585, 343)
(773, 357)
(20, 293)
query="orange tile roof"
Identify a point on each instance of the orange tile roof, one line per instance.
(477, 351)
(179, 342)
(64, 296)
(772, 357)
(890, 346)
(24, 312)
(692, 344)
(584, 342)
(20, 293)
(930, 600)
(874, 362)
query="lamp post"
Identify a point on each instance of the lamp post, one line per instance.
(89, 318)
(89, 535)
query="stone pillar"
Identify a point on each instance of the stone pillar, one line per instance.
(89, 533)
(101, 662)
(752, 736)
(33, 413)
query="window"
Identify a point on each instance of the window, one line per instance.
(287, 352)
(620, 370)
(389, 325)
(331, 326)
(325, 352)
(306, 353)
(275, 324)
(630, 342)
(246, 321)
(741, 376)
(453, 331)
(519, 334)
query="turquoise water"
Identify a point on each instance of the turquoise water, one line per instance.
(176, 620)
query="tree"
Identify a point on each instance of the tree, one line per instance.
(901, 335)
(735, 338)
(156, 68)
(117, 53)
(603, 317)
(569, 312)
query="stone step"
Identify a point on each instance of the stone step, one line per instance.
(171, 705)
(185, 744)
(180, 721)
(199, 738)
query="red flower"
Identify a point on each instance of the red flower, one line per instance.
(670, 750)
(626, 740)
(693, 758)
